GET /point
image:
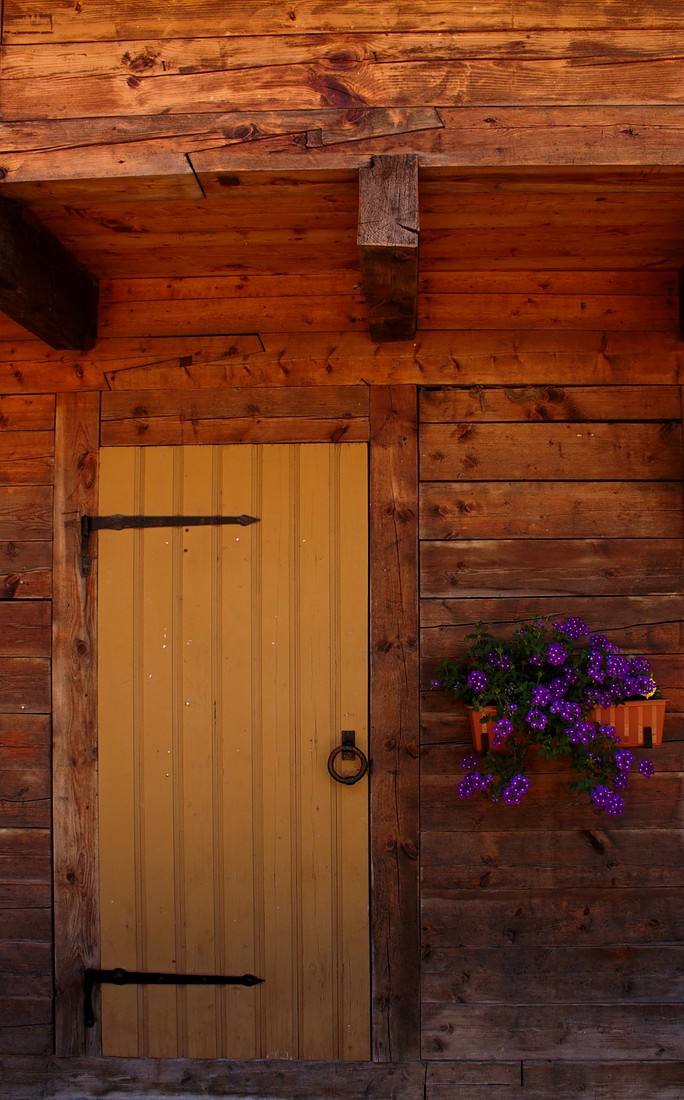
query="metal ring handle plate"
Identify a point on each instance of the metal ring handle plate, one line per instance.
(348, 780)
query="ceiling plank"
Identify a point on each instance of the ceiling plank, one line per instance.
(43, 287)
(387, 239)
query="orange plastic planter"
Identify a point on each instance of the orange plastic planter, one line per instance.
(639, 722)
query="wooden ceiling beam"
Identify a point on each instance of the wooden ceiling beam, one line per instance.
(43, 287)
(387, 239)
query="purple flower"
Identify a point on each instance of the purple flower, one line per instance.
(536, 719)
(599, 795)
(614, 805)
(469, 762)
(621, 781)
(435, 683)
(477, 680)
(624, 759)
(517, 786)
(556, 654)
(541, 695)
(646, 768)
(502, 729)
(573, 626)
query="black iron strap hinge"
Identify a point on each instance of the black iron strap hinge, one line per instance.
(121, 523)
(119, 976)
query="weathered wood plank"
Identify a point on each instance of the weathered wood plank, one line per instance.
(25, 857)
(167, 431)
(24, 774)
(542, 452)
(26, 969)
(208, 53)
(271, 1079)
(100, 20)
(589, 916)
(338, 81)
(553, 975)
(628, 312)
(74, 721)
(568, 509)
(638, 1081)
(636, 623)
(394, 722)
(533, 403)
(25, 685)
(26, 512)
(598, 855)
(481, 568)
(337, 358)
(650, 804)
(24, 632)
(583, 1031)
(336, 402)
(387, 239)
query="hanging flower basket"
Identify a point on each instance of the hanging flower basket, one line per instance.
(560, 689)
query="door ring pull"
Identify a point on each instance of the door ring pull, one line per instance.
(348, 750)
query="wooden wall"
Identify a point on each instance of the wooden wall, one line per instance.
(26, 468)
(549, 929)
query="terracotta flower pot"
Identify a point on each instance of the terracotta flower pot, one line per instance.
(639, 722)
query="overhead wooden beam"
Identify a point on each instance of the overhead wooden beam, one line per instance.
(42, 286)
(387, 239)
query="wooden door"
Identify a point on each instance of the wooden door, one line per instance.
(230, 660)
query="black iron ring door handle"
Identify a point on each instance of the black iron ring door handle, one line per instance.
(348, 750)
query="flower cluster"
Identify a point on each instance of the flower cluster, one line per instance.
(538, 690)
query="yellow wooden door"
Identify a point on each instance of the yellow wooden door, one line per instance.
(230, 660)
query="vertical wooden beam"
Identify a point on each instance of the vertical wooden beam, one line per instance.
(388, 245)
(74, 722)
(394, 723)
(43, 287)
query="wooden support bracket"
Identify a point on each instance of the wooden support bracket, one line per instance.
(387, 239)
(43, 287)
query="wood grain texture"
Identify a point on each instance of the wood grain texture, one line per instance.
(394, 722)
(74, 722)
(388, 239)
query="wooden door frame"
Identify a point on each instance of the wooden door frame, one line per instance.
(394, 719)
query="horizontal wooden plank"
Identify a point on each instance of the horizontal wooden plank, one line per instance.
(349, 313)
(187, 318)
(638, 1081)
(337, 402)
(17, 924)
(34, 413)
(158, 56)
(16, 895)
(600, 855)
(543, 403)
(337, 358)
(567, 509)
(553, 975)
(542, 452)
(25, 631)
(639, 1032)
(100, 20)
(578, 916)
(25, 512)
(337, 81)
(169, 431)
(25, 685)
(36, 1039)
(650, 803)
(624, 313)
(26, 969)
(25, 857)
(273, 1078)
(602, 567)
(638, 624)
